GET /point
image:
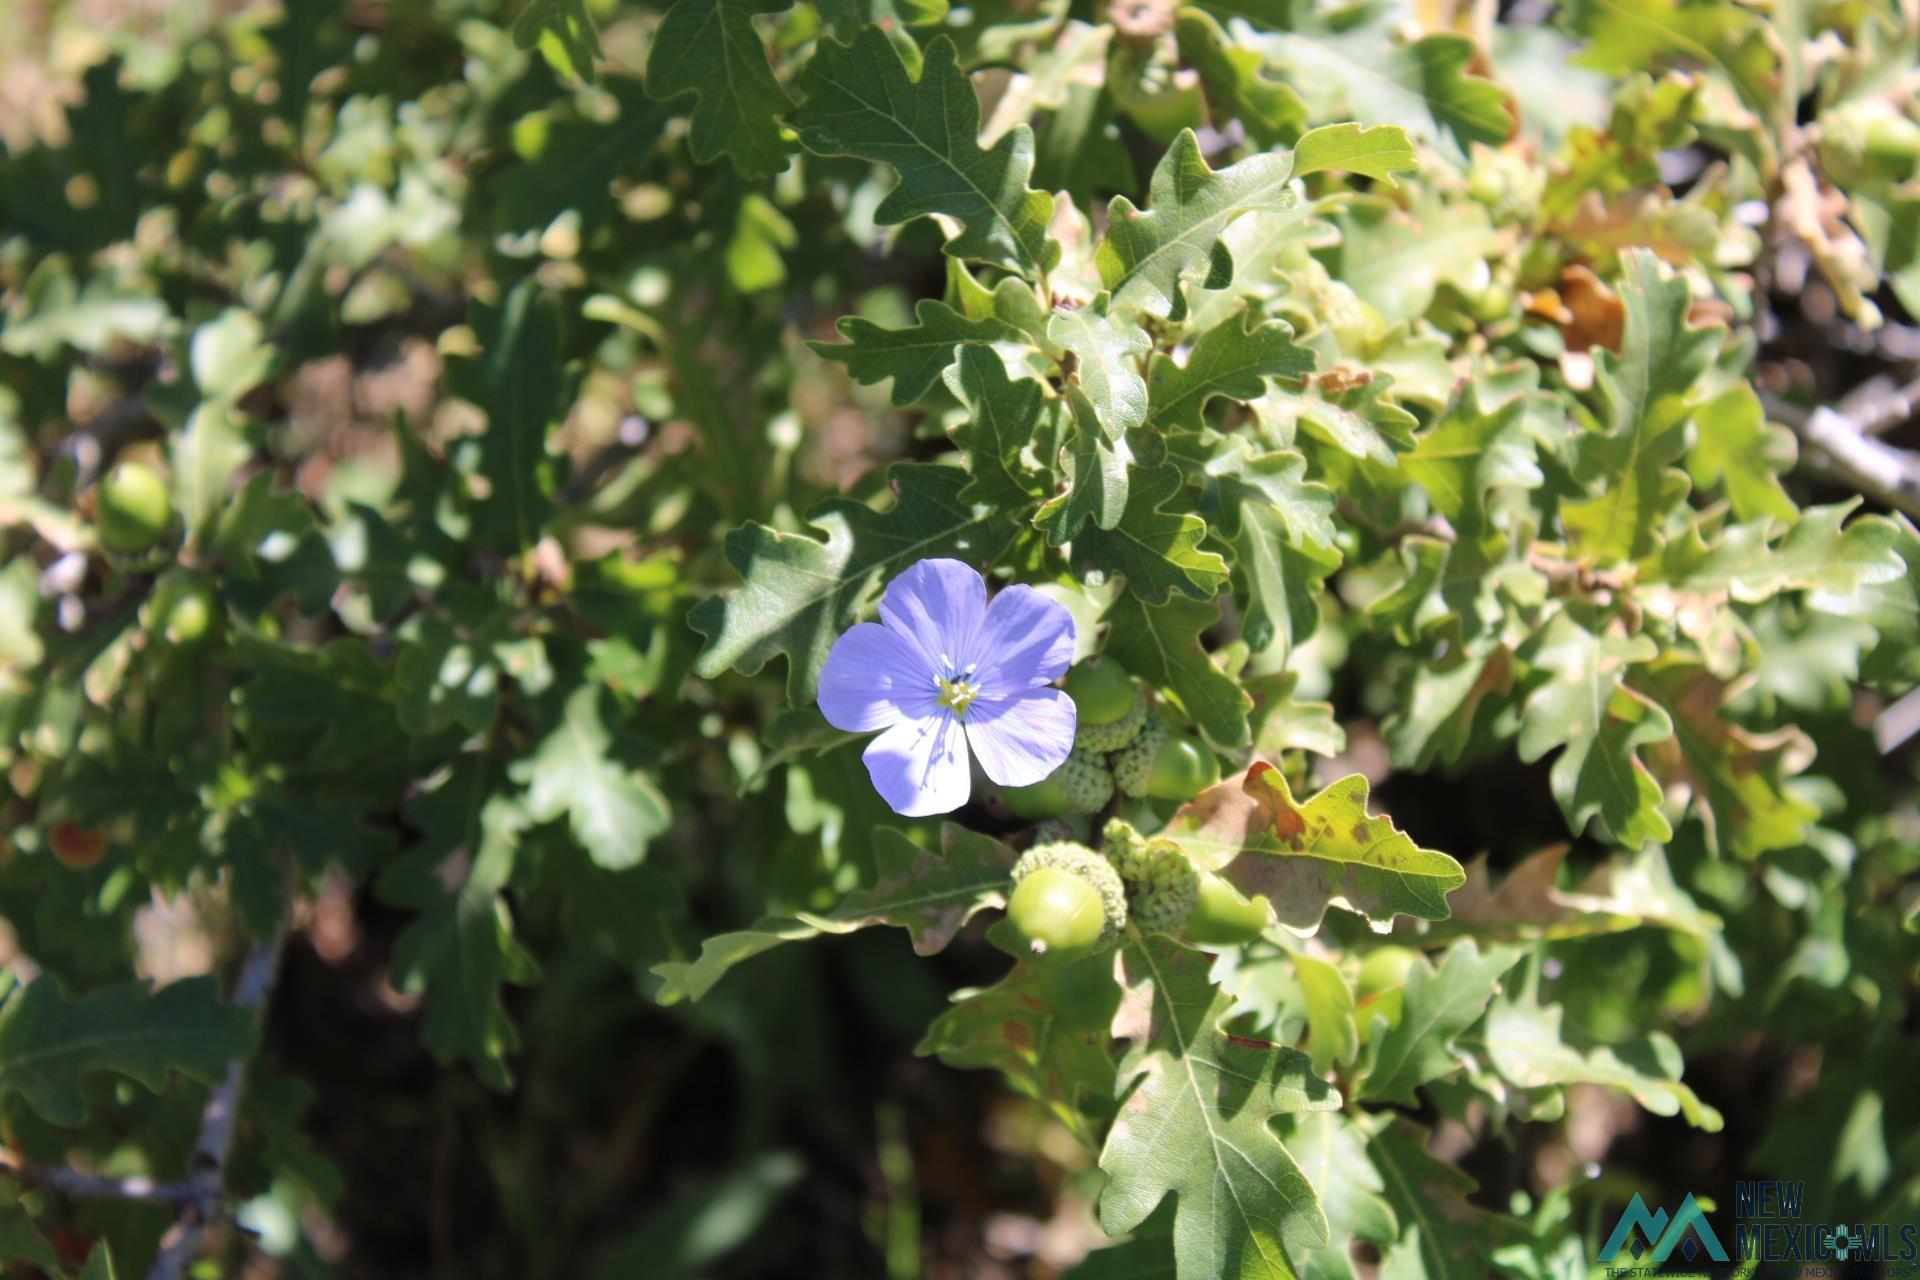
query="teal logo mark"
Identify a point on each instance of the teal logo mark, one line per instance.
(1688, 1230)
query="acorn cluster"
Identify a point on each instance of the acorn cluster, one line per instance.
(133, 515)
(1119, 743)
(1069, 903)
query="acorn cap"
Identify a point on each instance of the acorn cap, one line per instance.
(1161, 897)
(1133, 764)
(1086, 781)
(1116, 734)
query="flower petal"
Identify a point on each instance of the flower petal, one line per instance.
(871, 679)
(919, 766)
(1023, 738)
(938, 605)
(1027, 641)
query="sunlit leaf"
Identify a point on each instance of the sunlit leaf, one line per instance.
(929, 893)
(1196, 1122)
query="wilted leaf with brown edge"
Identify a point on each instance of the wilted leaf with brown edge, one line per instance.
(1595, 317)
(1644, 394)
(1734, 778)
(1630, 891)
(1306, 857)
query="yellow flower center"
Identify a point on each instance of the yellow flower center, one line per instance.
(957, 694)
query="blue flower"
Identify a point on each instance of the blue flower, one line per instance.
(943, 671)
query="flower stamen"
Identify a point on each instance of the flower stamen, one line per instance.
(957, 693)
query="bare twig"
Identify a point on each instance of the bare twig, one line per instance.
(1877, 406)
(93, 1186)
(1897, 723)
(207, 1177)
(200, 1193)
(1836, 444)
(1845, 448)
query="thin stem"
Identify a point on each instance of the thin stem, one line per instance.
(207, 1178)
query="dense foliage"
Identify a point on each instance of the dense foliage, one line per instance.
(441, 447)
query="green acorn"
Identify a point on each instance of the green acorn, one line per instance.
(182, 609)
(1085, 781)
(1133, 764)
(1101, 690)
(132, 508)
(1165, 764)
(1038, 800)
(1222, 915)
(1381, 990)
(1118, 733)
(1182, 769)
(1067, 903)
